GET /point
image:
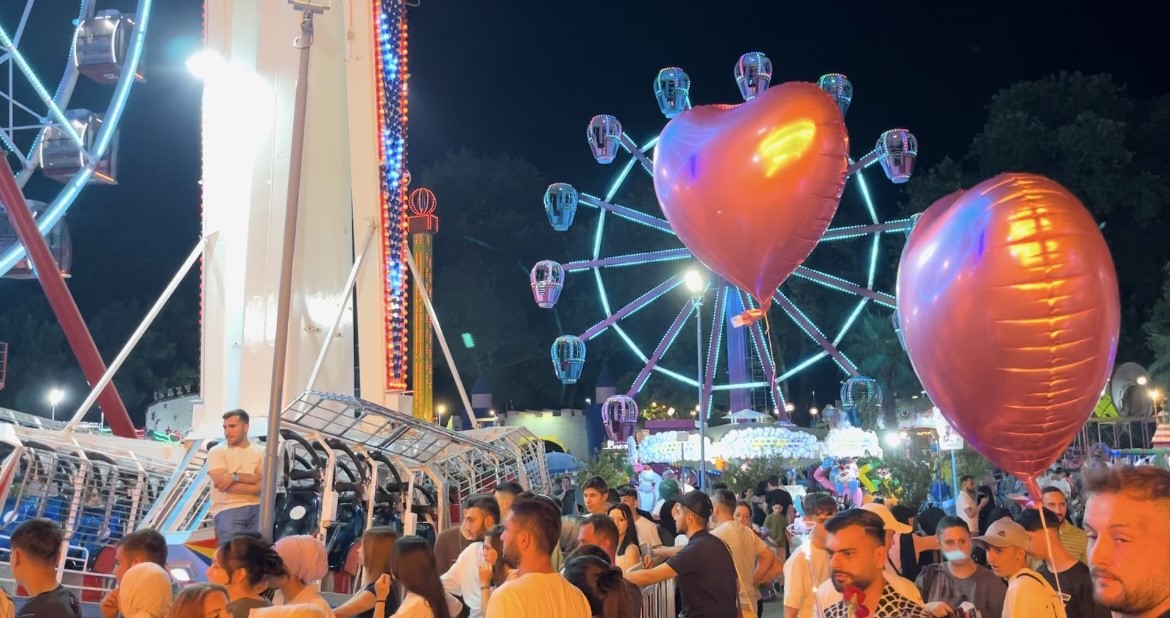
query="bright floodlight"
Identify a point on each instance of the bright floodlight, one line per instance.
(1154, 394)
(1142, 380)
(56, 396)
(204, 63)
(893, 439)
(694, 281)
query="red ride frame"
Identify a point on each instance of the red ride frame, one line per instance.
(61, 301)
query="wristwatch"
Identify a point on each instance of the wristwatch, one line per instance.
(235, 477)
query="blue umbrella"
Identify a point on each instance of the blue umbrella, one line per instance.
(559, 463)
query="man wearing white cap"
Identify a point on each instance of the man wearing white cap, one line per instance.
(1029, 595)
(898, 534)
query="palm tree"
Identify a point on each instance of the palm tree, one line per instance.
(874, 347)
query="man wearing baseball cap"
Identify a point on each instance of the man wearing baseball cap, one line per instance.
(705, 570)
(1028, 595)
(903, 545)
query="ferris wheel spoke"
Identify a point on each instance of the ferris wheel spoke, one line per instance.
(718, 316)
(800, 319)
(626, 212)
(802, 366)
(638, 153)
(663, 346)
(855, 231)
(841, 285)
(634, 305)
(630, 259)
(55, 112)
(763, 349)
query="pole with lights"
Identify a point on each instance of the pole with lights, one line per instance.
(696, 286)
(423, 225)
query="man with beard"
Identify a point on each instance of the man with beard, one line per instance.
(857, 559)
(462, 578)
(535, 590)
(945, 587)
(1071, 537)
(1127, 518)
(705, 570)
(1069, 576)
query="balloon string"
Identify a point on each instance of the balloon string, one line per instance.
(1051, 559)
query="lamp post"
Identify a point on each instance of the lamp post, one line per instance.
(696, 285)
(56, 396)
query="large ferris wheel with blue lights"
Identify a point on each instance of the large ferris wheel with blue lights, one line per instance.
(66, 71)
(732, 356)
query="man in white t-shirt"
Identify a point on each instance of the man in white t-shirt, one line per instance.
(808, 566)
(755, 563)
(462, 579)
(535, 590)
(968, 505)
(1028, 595)
(236, 470)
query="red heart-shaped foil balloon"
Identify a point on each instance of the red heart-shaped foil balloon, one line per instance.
(751, 188)
(1007, 299)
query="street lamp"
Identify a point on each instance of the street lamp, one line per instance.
(1142, 380)
(56, 396)
(440, 409)
(696, 286)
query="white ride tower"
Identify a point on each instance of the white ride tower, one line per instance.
(248, 128)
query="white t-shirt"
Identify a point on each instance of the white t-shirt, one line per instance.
(538, 595)
(462, 578)
(828, 595)
(311, 595)
(799, 583)
(745, 545)
(647, 532)
(1031, 596)
(962, 503)
(414, 606)
(248, 460)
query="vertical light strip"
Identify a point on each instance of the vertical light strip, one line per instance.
(392, 122)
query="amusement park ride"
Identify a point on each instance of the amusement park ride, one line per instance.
(286, 278)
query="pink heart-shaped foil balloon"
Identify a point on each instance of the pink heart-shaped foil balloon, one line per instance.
(1007, 300)
(750, 189)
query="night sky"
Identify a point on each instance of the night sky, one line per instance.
(525, 77)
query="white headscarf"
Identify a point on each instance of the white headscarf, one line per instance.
(145, 592)
(305, 557)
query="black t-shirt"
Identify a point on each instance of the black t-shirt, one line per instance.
(1076, 589)
(242, 608)
(56, 603)
(706, 578)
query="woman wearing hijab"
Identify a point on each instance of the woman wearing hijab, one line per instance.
(306, 561)
(145, 592)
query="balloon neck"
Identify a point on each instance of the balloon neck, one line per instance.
(747, 318)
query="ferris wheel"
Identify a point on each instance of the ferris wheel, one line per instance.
(66, 71)
(625, 279)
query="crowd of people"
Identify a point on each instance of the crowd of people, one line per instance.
(516, 554)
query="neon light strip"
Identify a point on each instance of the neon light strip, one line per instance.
(633, 306)
(854, 231)
(629, 145)
(802, 366)
(51, 215)
(613, 189)
(873, 258)
(839, 284)
(801, 320)
(868, 200)
(764, 352)
(54, 111)
(718, 316)
(625, 213)
(849, 321)
(631, 259)
(736, 387)
(663, 346)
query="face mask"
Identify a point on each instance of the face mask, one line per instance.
(955, 554)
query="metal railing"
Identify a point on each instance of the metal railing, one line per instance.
(658, 600)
